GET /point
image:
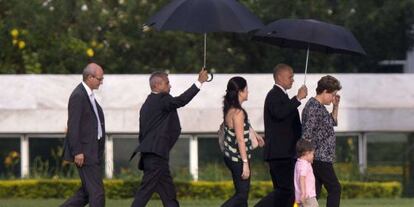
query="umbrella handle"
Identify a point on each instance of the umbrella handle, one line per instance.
(211, 77)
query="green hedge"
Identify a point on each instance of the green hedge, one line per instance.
(118, 189)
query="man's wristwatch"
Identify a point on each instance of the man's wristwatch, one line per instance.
(245, 161)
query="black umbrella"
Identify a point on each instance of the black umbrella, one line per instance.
(204, 16)
(311, 35)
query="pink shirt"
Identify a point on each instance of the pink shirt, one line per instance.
(304, 168)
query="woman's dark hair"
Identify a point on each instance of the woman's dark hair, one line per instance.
(328, 83)
(303, 146)
(231, 99)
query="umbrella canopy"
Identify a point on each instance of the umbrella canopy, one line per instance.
(311, 35)
(205, 16)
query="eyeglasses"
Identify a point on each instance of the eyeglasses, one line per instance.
(99, 79)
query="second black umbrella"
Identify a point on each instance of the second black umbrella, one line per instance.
(311, 35)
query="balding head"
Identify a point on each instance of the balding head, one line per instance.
(283, 75)
(93, 75)
(90, 70)
(159, 82)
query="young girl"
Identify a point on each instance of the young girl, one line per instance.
(305, 194)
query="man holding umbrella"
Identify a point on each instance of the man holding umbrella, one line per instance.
(159, 123)
(282, 131)
(159, 129)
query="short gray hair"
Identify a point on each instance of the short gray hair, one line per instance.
(156, 77)
(87, 71)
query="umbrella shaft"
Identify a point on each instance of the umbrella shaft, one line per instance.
(205, 49)
(306, 65)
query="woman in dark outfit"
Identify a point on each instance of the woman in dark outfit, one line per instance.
(237, 145)
(318, 126)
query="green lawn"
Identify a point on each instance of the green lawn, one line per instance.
(403, 202)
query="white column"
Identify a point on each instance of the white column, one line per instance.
(24, 154)
(194, 157)
(362, 152)
(109, 156)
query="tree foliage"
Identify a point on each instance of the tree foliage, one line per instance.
(60, 36)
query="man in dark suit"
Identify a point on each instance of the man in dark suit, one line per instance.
(159, 129)
(282, 131)
(85, 140)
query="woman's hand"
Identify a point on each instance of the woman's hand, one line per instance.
(260, 140)
(246, 171)
(336, 100)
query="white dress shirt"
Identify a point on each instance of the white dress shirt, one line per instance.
(92, 100)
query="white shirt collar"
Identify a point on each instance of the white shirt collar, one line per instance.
(281, 88)
(88, 90)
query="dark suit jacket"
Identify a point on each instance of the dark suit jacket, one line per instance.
(282, 125)
(82, 131)
(159, 125)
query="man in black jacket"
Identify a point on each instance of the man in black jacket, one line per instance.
(282, 131)
(159, 129)
(85, 140)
